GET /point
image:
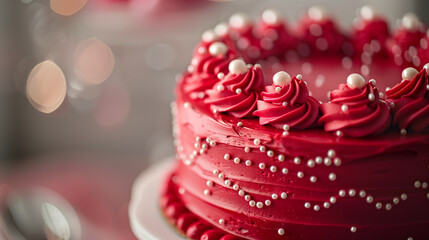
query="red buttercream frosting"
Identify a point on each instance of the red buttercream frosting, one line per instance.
(292, 105)
(238, 176)
(275, 39)
(205, 69)
(236, 94)
(363, 116)
(371, 36)
(321, 36)
(410, 101)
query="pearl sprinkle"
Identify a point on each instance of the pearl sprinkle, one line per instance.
(282, 78)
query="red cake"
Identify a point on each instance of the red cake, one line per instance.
(304, 132)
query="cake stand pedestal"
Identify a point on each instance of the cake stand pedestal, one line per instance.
(146, 219)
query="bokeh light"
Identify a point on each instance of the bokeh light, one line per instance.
(46, 86)
(67, 7)
(93, 61)
(113, 105)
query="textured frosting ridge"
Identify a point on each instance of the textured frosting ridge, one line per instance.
(410, 100)
(292, 106)
(236, 94)
(364, 113)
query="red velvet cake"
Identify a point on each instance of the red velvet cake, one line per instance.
(303, 132)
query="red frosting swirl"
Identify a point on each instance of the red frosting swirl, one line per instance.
(322, 36)
(368, 30)
(299, 112)
(405, 38)
(411, 103)
(362, 117)
(225, 96)
(274, 39)
(205, 68)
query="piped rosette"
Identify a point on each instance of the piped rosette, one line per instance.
(370, 32)
(287, 104)
(242, 32)
(207, 67)
(355, 109)
(407, 40)
(319, 32)
(236, 94)
(409, 101)
(273, 33)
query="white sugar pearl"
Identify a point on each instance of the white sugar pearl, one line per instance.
(239, 20)
(285, 171)
(283, 195)
(252, 203)
(238, 91)
(297, 160)
(333, 200)
(218, 49)
(209, 36)
(353, 229)
(262, 165)
(220, 88)
(248, 162)
(300, 174)
(367, 12)
(273, 168)
(331, 153)
(316, 208)
(281, 157)
(247, 197)
(281, 231)
(221, 29)
(241, 193)
(317, 13)
(409, 73)
(222, 221)
(271, 17)
(326, 205)
(259, 205)
(355, 80)
(274, 196)
(411, 22)
(226, 156)
(267, 202)
(371, 97)
(237, 66)
(282, 78)
(426, 66)
(256, 141)
(311, 163)
(344, 108)
(270, 153)
(332, 176)
(237, 160)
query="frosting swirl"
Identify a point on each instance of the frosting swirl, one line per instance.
(236, 94)
(205, 68)
(410, 102)
(274, 38)
(366, 31)
(322, 36)
(355, 112)
(292, 106)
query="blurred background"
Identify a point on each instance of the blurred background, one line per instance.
(85, 88)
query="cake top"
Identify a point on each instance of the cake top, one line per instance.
(244, 69)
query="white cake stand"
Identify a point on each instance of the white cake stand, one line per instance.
(146, 219)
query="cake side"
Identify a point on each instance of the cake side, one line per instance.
(262, 160)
